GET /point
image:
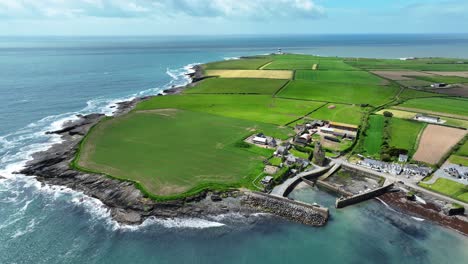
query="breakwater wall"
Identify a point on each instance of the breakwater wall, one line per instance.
(360, 172)
(288, 209)
(346, 201)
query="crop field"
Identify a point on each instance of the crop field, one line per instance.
(404, 134)
(270, 74)
(418, 65)
(450, 188)
(442, 105)
(436, 141)
(261, 108)
(349, 114)
(361, 77)
(237, 86)
(459, 74)
(411, 93)
(339, 92)
(282, 64)
(240, 64)
(441, 79)
(400, 75)
(373, 140)
(170, 151)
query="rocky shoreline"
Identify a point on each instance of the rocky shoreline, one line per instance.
(432, 210)
(127, 204)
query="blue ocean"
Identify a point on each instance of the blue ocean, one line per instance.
(45, 81)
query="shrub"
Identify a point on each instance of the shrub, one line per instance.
(388, 114)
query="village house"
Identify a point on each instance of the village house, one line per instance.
(411, 169)
(402, 158)
(427, 118)
(303, 139)
(281, 151)
(260, 140)
(267, 180)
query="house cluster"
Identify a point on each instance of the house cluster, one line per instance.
(395, 168)
(407, 58)
(289, 159)
(427, 118)
(332, 131)
(458, 172)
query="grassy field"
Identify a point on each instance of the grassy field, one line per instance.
(271, 74)
(170, 151)
(373, 140)
(434, 64)
(441, 79)
(456, 159)
(410, 115)
(261, 108)
(443, 105)
(282, 64)
(242, 64)
(450, 188)
(360, 77)
(339, 92)
(463, 150)
(411, 93)
(404, 134)
(349, 114)
(238, 86)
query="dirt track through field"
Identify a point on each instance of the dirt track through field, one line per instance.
(436, 141)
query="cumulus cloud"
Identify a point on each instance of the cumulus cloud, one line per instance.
(248, 9)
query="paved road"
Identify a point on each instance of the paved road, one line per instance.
(406, 181)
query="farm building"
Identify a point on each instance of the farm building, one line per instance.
(260, 140)
(438, 85)
(272, 143)
(334, 139)
(327, 130)
(427, 118)
(343, 126)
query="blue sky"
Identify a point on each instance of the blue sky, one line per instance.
(212, 17)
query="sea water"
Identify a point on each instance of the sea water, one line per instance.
(45, 81)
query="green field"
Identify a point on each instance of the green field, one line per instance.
(339, 92)
(441, 79)
(432, 64)
(349, 114)
(261, 108)
(411, 93)
(282, 64)
(373, 140)
(463, 150)
(442, 105)
(404, 134)
(361, 77)
(170, 151)
(460, 160)
(450, 188)
(252, 63)
(238, 86)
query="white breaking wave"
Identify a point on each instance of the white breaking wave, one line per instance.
(417, 219)
(26, 230)
(17, 149)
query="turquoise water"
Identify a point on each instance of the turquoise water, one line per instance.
(45, 81)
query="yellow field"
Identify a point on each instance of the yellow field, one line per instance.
(398, 113)
(268, 74)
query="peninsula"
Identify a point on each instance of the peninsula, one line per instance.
(245, 132)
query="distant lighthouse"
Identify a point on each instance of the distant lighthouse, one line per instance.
(279, 51)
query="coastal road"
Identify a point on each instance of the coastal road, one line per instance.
(407, 182)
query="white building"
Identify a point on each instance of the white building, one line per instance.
(427, 118)
(260, 140)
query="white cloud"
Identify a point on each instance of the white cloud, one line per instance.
(248, 9)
